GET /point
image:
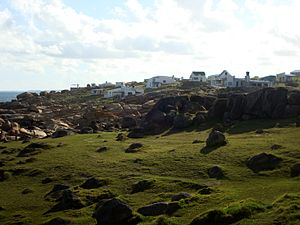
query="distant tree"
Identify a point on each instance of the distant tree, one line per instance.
(255, 78)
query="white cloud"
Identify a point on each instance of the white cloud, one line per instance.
(169, 37)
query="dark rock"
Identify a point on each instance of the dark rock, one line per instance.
(235, 106)
(142, 185)
(56, 192)
(172, 207)
(102, 149)
(295, 170)
(136, 133)
(58, 221)
(154, 209)
(218, 109)
(128, 122)
(291, 111)
(263, 161)
(179, 196)
(294, 98)
(215, 139)
(215, 172)
(259, 131)
(200, 118)
(182, 121)
(276, 147)
(121, 137)
(40, 145)
(135, 147)
(213, 217)
(267, 103)
(93, 183)
(61, 133)
(68, 200)
(27, 191)
(4, 175)
(33, 149)
(86, 130)
(47, 180)
(26, 95)
(205, 191)
(113, 212)
(197, 142)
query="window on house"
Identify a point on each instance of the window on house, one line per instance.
(164, 81)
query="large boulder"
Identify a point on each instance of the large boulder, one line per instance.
(113, 212)
(218, 109)
(142, 185)
(182, 120)
(215, 139)
(179, 196)
(26, 95)
(61, 133)
(235, 106)
(128, 122)
(266, 103)
(294, 98)
(262, 162)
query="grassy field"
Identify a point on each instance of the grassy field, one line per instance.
(175, 165)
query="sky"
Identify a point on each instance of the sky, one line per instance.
(54, 44)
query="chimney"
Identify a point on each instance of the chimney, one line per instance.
(247, 77)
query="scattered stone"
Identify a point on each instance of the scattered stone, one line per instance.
(215, 172)
(102, 149)
(154, 209)
(295, 170)
(58, 221)
(93, 183)
(142, 185)
(276, 147)
(4, 175)
(263, 161)
(179, 196)
(56, 192)
(135, 147)
(61, 133)
(197, 141)
(68, 200)
(27, 191)
(215, 139)
(259, 131)
(113, 212)
(47, 180)
(86, 130)
(33, 149)
(121, 137)
(205, 191)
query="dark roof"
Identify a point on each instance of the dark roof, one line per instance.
(198, 73)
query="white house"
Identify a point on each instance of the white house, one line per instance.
(97, 91)
(296, 72)
(158, 81)
(123, 92)
(106, 84)
(283, 77)
(224, 79)
(198, 76)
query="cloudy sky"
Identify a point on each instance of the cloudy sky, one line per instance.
(51, 44)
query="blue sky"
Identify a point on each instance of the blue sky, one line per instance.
(51, 44)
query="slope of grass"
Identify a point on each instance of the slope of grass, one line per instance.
(172, 161)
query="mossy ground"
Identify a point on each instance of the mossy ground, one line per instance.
(173, 161)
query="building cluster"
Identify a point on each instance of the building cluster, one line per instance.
(222, 80)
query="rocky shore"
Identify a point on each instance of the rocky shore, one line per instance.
(57, 114)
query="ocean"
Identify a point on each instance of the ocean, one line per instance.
(7, 96)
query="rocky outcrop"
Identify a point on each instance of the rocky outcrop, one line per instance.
(112, 212)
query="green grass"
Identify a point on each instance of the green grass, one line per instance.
(173, 162)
